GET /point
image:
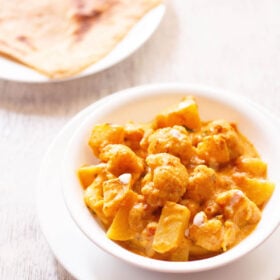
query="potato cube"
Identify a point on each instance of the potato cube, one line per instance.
(88, 173)
(93, 194)
(104, 134)
(207, 234)
(181, 253)
(97, 208)
(171, 227)
(252, 165)
(230, 235)
(94, 200)
(238, 208)
(196, 252)
(120, 229)
(114, 191)
(257, 190)
(185, 114)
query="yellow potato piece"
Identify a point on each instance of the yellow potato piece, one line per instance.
(93, 194)
(97, 208)
(185, 114)
(172, 223)
(88, 173)
(196, 252)
(257, 190)
(181, 253)
(114, 191)
(120, 229)
(94, 200)
(238, 208)
(104, 134)
(252, 165)
(208, 235)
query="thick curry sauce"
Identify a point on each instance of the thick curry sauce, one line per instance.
(178, 188)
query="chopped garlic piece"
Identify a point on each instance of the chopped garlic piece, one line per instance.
(199, 218)
(125, 178)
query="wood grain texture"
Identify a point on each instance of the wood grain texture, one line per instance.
(230, 44)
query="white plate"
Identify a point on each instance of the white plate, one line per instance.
(85, 261)
(139, 34)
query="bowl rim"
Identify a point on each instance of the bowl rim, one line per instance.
(144, 91)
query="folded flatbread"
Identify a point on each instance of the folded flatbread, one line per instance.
(60, 38)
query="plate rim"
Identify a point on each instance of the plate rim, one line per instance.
(226, 97)
(99, 102)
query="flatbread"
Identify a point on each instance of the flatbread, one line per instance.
(60, 38)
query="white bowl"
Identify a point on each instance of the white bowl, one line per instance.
(140, 104)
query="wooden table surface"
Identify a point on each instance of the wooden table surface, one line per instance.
(233, 45)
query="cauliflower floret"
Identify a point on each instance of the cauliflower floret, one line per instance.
(213, 150)
(238, 208)
(203, 183)
(173, 140)
(232, 136)
(166, 181)
(221, 143)
(192, 205)
(121, 159)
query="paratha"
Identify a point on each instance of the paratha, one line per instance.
(60, 38)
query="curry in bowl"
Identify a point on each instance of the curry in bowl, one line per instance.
(177, 188)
